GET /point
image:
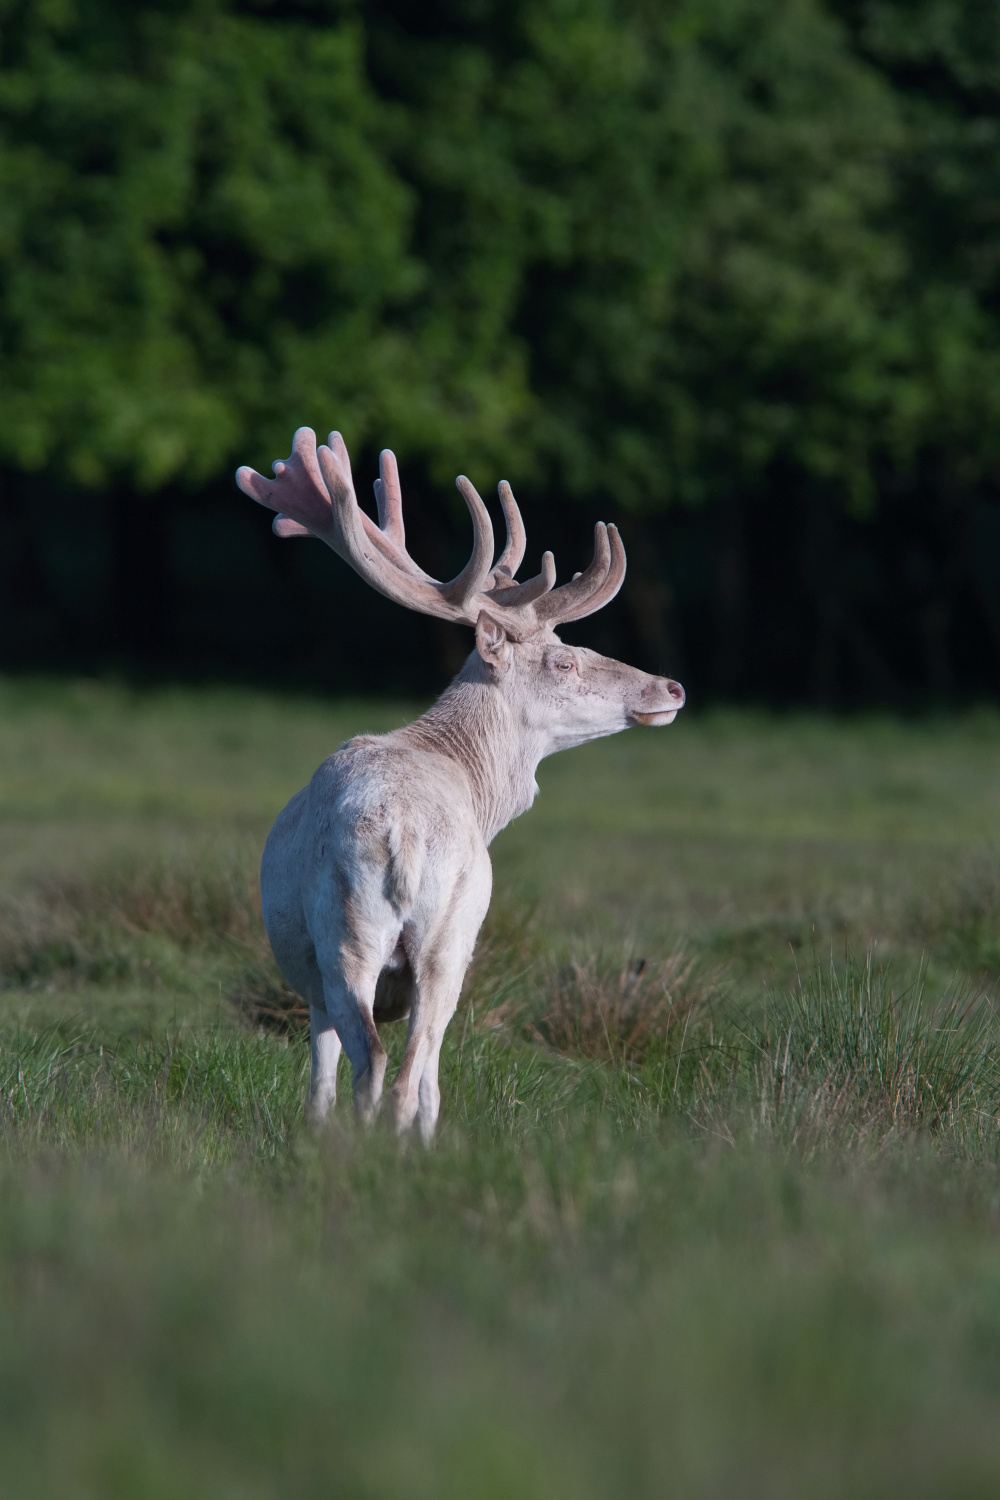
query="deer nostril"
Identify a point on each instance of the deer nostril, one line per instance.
(674, 688)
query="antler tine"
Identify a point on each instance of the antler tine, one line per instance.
(389, 535)
(515, 595)
(389, 499)
(356, 538)
(513, 552)
(475, 575)
(591, 590)
(580, 588)
(296, 492)
(284, 526)
(531, 589)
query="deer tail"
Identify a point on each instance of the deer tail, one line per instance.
(405, 865)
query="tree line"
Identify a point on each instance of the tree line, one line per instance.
(726, 271)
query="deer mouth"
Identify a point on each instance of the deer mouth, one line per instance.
(654, 720)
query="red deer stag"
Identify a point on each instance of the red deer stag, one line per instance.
(376, 878)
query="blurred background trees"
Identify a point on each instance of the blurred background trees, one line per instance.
(725, 271)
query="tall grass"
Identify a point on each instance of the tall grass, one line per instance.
(847, 1053)
(842, 1056)
(125, 918)
(695, 1223)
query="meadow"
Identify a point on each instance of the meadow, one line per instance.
(715, 1205)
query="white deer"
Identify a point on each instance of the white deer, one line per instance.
(376, 877)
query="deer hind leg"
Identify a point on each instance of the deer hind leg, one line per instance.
(347, 1004)
(415, 1091)
(429, 1094)
(325, 1048)
(439, 966)
(299, 966)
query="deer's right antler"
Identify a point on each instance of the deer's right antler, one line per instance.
(313, 494)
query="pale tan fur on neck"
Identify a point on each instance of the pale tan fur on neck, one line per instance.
(472, 724)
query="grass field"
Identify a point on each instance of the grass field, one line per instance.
(715, 1208)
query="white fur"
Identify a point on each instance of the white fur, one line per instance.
(376, 877)
(377, 874)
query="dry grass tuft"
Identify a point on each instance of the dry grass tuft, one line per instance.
(266, 1003)
(617, 1014)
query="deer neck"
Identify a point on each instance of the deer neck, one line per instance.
(473, 724)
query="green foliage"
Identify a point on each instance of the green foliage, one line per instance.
(202, 236)
(701, 197)
(198, 227)
(650, 249)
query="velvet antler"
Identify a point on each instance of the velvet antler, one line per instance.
(313, 494)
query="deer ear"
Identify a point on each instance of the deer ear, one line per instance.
(493, 645)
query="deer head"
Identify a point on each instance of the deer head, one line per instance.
(590, 695)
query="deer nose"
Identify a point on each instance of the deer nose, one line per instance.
(658, 686)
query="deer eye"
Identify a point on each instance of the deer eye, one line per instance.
(564, 666)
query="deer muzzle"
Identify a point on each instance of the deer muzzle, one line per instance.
(665, 698)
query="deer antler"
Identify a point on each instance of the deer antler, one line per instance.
(313, 493)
